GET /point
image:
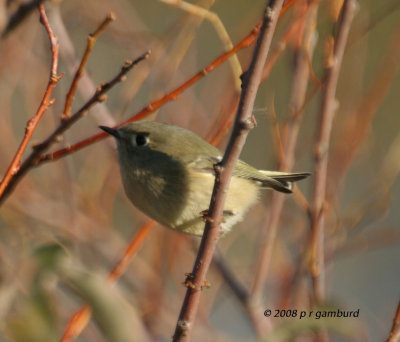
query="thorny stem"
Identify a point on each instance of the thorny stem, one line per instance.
(251, 80)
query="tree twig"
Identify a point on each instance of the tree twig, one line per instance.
(37, 153)
(395, 331)
(91, 40)
(251, 80)
(297, 100)
(15, 166)
(173, 95)
(245, 42)
(80, 318)
(327, 113)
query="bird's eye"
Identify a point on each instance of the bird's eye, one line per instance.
(142, 140)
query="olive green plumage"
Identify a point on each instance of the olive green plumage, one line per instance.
(168, 173)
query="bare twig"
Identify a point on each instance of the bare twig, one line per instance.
(244, 43)
(173, 95)
(91, 40)
(356, 128)
(214, 19)
(76, 324)
(395, 331)
(46, 102)
(86, 85)
(230, 279)
(37, 153)
(328, 105)
(251, 80)
(298, 93)
(224, 126)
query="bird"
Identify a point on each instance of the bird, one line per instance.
(168, 173)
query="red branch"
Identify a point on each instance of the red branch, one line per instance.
(247, 41)
(251, 80)
(39, 149)
(44, 104)
(80, 318)
(173, 95)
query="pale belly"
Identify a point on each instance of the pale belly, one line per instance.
(242, 194)
(183, 210)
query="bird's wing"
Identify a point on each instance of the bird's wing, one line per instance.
(280, 181)
(267, 179)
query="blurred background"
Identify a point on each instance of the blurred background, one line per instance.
(68, 222)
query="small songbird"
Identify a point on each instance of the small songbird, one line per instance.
(168, 174)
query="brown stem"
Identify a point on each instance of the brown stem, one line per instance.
(173, 95)
(296, 106)
(80, 318)
(251, 80)
(37, 154)
(15, 165)
(91, 40)
(355, 129)
(321, 151)
(395, 331)
(245, 42)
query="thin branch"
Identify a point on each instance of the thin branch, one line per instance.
(38, 150)
(173, 95)
(86, 85)
(296, 108)
(77, 323)
(328, 105)
(81, 318)
(219, 27)
(225, 124)
(14, 168)
(395, 331)
(356, 129)
(251, 80)
(230, 278)
(91, 40)
(122, 264)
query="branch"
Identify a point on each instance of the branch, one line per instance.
(173, 95)
(321, 152)
(303, 55)
(80, 318)
(38, 150)
(89, 47)
(14, 168)
(251, 80)
(245, 42)
(395, 331)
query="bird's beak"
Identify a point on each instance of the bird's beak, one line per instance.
(111, 131)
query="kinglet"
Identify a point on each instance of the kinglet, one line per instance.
(168, 174)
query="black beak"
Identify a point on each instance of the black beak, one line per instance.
(111, 131)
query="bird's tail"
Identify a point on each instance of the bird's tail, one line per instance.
(282, 181)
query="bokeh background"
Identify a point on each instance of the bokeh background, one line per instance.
(68, 222)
